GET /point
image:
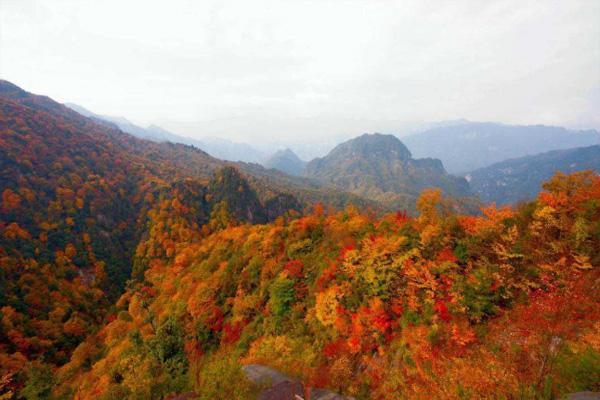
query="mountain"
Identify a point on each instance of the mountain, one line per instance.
(467, 146)
(132, 269)
(380, 167)
(219, 148)
(79, 195)
(286, 161)
(269, 184)
(520, 179)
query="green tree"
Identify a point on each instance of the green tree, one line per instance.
(39, 382)
(282, 296)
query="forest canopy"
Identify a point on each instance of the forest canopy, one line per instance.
(504, 304)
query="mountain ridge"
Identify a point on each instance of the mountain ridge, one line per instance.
(519, 179)
(219, 148)
(467, 146)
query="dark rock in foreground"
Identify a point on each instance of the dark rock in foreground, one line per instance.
(584, 396)
(279, 386)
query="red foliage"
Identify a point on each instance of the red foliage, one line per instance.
(446, 255)
(335, 348)
(215, 319)
(401, 217)
(147, 292)
(354, 343)
(232, 331)
(553, 200)
(374, 238)
(369, 325)
(295, 269)
(327, 276)
(397, 308)
(442, 311)
(345, 250)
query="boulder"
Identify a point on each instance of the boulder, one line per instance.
(278, 386)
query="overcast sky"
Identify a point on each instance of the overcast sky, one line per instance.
(304, 70)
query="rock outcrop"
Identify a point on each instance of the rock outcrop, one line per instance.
(278, 386)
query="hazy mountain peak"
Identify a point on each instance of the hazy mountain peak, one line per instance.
(287, 161)
(287, 152)
(373, 145)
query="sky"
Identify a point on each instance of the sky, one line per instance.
(260, 71)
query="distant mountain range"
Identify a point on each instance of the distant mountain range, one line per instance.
(272, 187)
(380, 167)
(467, 146)
(504, 163)
(520, 179)
(216, 147)
(286, 161)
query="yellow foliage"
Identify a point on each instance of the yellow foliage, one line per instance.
(326, 306)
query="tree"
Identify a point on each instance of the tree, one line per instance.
(40, 381)
(282, 295)
(167, 346)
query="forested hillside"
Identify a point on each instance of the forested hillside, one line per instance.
(519, 179)
(74, 200)
(75, 197)
(445, 306)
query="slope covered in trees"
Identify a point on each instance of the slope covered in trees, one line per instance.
(519, 179)
(380, 167)
(74, 202)
(67, 223)
(502, 305)
(467, 146)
